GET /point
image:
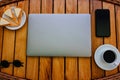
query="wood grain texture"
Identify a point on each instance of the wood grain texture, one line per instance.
(45, 68)
(1, 41)
(71, 6)
(20, 46)
(46, 62)
(7, 2)
(96, 42)
(117, 10)
(8, 47)
(58, 69)
(47, 6)
(1, 35)
(58, 62)
(117, 2)
(13, 43)
(32, 68)
(59, 6)
(33, 62)
(71, 66)
(84, 63)
(112, 39)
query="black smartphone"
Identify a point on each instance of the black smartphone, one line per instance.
(102, 22)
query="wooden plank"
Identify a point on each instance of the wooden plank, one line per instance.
(71, 72)
(8, 47)
(83, 6)
(117, 9)
(45, 68)
(47, 6)
(71, 6)
(20, 47)
(45, 62)
(117, 2)
(58, 62)
(96, 42)
(84, 63)
(112, 39)
(59, 6)
(1, 42)
(1, 35)
(33, 62)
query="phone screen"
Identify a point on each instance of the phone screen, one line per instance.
(102, 21)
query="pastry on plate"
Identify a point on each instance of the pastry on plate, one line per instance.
(4, 22)
(10, 13)
(13, 15)
(18, 14)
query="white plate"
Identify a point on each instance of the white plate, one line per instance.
(23, 20)
(99, 60)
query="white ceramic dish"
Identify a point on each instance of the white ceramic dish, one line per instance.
(99, 60)
(23, 20)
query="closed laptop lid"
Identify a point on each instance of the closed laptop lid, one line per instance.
(59, 35)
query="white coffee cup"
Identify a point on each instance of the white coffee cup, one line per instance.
(107, 61)
(110, 57)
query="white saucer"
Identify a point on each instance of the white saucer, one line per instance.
(23, 20)
(99, 60)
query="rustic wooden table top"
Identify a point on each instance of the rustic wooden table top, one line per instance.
(13, 43)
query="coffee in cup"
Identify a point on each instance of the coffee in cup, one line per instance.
(109, 56)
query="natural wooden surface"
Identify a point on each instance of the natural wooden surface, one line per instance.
(117, 2)
(96, 72)
(7, 2)
(13, 43)
(58, 62)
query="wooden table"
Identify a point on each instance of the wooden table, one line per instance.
(13, 43)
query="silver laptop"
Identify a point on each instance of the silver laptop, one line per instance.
(59, 35)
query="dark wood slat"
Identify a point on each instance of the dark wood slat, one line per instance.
(7, 2)
(117, 2)
(112, 77)
(4, 76)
